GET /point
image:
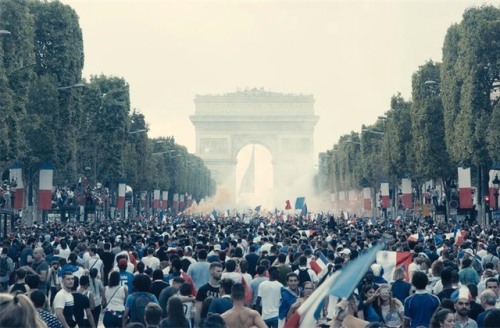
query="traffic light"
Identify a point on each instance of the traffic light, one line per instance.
(487, 203)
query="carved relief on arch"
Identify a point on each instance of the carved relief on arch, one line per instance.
(239, 141)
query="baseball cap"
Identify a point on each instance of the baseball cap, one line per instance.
(217, 248)
(346, 251)
(122, 264)
(469, 251)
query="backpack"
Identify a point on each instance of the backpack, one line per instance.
(4, 266)
(17, 287)
(140, 302)
(303, 276)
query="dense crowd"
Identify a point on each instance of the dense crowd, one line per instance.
(204, 271)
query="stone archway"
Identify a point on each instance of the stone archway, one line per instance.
(283, 123)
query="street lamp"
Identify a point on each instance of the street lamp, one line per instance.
(373, 131)
(137, 131)
(74, 86)
(496, 185)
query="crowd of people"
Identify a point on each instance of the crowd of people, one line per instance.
(203, 271)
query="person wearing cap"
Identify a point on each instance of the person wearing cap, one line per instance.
(345, 254)
(476, 264)
(126, 278)
(461, 298)
(213, 256)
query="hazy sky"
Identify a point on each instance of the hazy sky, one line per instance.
(352, 56)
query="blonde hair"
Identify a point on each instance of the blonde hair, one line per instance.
(18, 311)
(394, 303)
(399, 274)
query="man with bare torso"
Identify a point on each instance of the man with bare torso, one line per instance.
(240, 316)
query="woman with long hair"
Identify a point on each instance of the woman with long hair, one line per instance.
(204, 310)
(113, 300)
(175, 315)
(365, 310)
(389, 309)
(443, 318)
(96, 287)
(18, 311)
(308, 290)
(400, 288)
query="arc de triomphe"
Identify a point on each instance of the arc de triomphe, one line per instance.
(283, 123)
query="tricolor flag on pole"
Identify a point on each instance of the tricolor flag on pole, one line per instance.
(341, 284)
(156, 199)
(164, 196)
(46, 185)
(120, 204)
(319, 264)
(176, 202)
(390, 261)
(299, 203)
(16, 175)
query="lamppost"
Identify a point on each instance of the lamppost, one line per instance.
(453, 203)
(496, 185)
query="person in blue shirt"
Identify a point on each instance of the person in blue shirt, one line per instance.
(126, 278)
(224, 302)
(419, 307)
(136, 303)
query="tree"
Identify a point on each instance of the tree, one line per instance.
(16, 76)
(469, 74)
(429, 158)
(58, 49)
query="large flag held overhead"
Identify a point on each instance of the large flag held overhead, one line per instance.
(341, 284)
(248, 181)
(299, 203)
(304, 212)
(390, 261)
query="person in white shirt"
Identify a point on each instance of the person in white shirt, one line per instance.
(93, 261)
(232, 272)
(151, 261)
(64, 301)
(269, 298)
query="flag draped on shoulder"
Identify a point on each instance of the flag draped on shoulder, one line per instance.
(341, 284)
(287, 300)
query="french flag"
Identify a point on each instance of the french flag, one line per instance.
(415, 237)
(459, 235)
(390, 261)
(319, 264)
(340, 284)
(308, 232)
